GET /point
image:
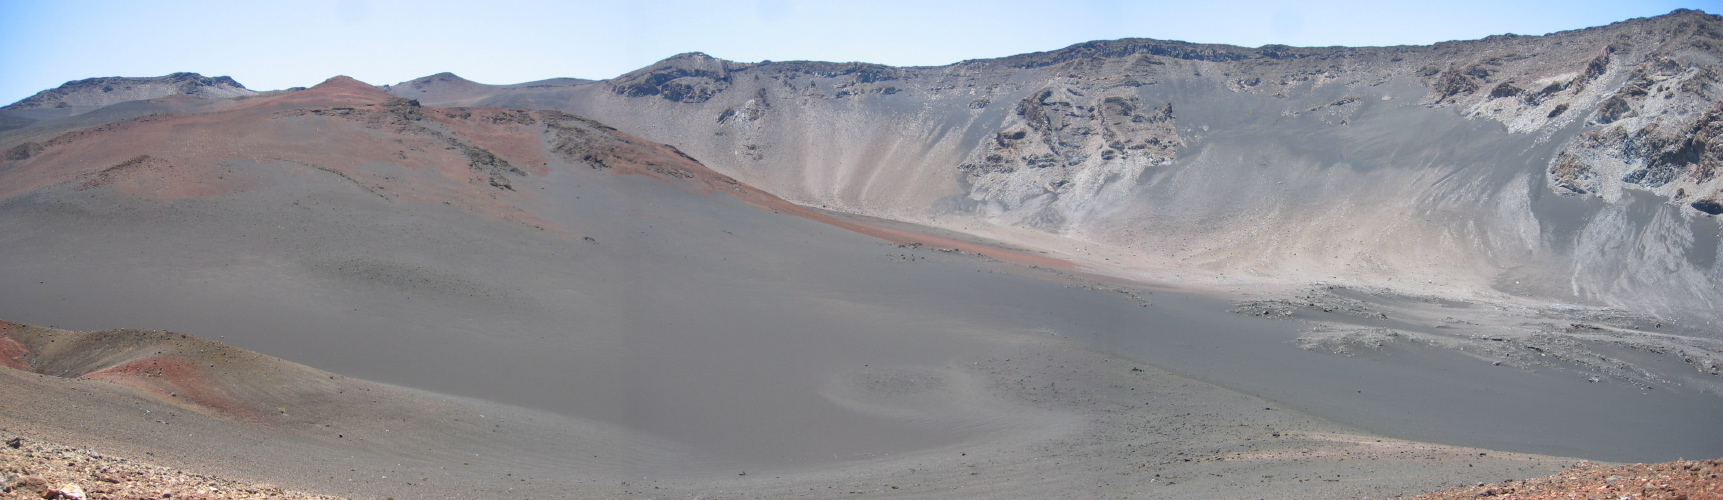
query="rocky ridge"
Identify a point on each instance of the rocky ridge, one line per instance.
(92, 93)
(1643, 89)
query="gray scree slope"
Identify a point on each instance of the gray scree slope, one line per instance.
(1575, 167)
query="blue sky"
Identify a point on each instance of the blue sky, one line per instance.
(272, 44)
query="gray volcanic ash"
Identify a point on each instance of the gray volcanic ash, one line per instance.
(1137, 267)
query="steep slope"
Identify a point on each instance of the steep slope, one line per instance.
(1574, 167)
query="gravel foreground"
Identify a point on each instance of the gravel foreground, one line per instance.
(1681, 479)
(30, 468)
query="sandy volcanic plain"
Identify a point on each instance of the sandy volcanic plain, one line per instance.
(350, 293)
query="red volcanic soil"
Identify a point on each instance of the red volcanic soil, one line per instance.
(11, 352)
(339, 89)
(174, 377)
(188, 372)
(509, 133)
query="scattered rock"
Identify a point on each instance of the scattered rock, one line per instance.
(68, 491)
(1682, 479)
(1348, 341)
(111, 477)
(1709, 206)
(23, 151)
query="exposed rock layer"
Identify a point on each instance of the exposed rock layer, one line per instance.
(1575, 167)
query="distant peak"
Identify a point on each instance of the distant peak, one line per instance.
(691, 59)
(340, 80)
(344, 83)
(443, 77)
(346, 87)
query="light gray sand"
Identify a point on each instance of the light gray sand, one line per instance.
(1103, 427)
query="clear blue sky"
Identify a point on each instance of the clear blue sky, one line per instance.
(277, 44)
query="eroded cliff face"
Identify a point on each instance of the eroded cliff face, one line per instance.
(1576, 166)
(1061, 147)
(1645, 100)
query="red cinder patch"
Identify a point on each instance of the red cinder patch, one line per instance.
(509, 133)
(177, 380)
(11, 352)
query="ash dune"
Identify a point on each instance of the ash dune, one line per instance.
(1136, 267)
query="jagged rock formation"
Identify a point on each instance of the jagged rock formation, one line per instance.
(691, 78)
(1514, 164)
(1647, 102)
(92, 93)
(1061, 140)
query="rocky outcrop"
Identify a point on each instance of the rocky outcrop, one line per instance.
(689, 78)
(1643, 94)
(23, 151)
(94, 93)
(1060, 140)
